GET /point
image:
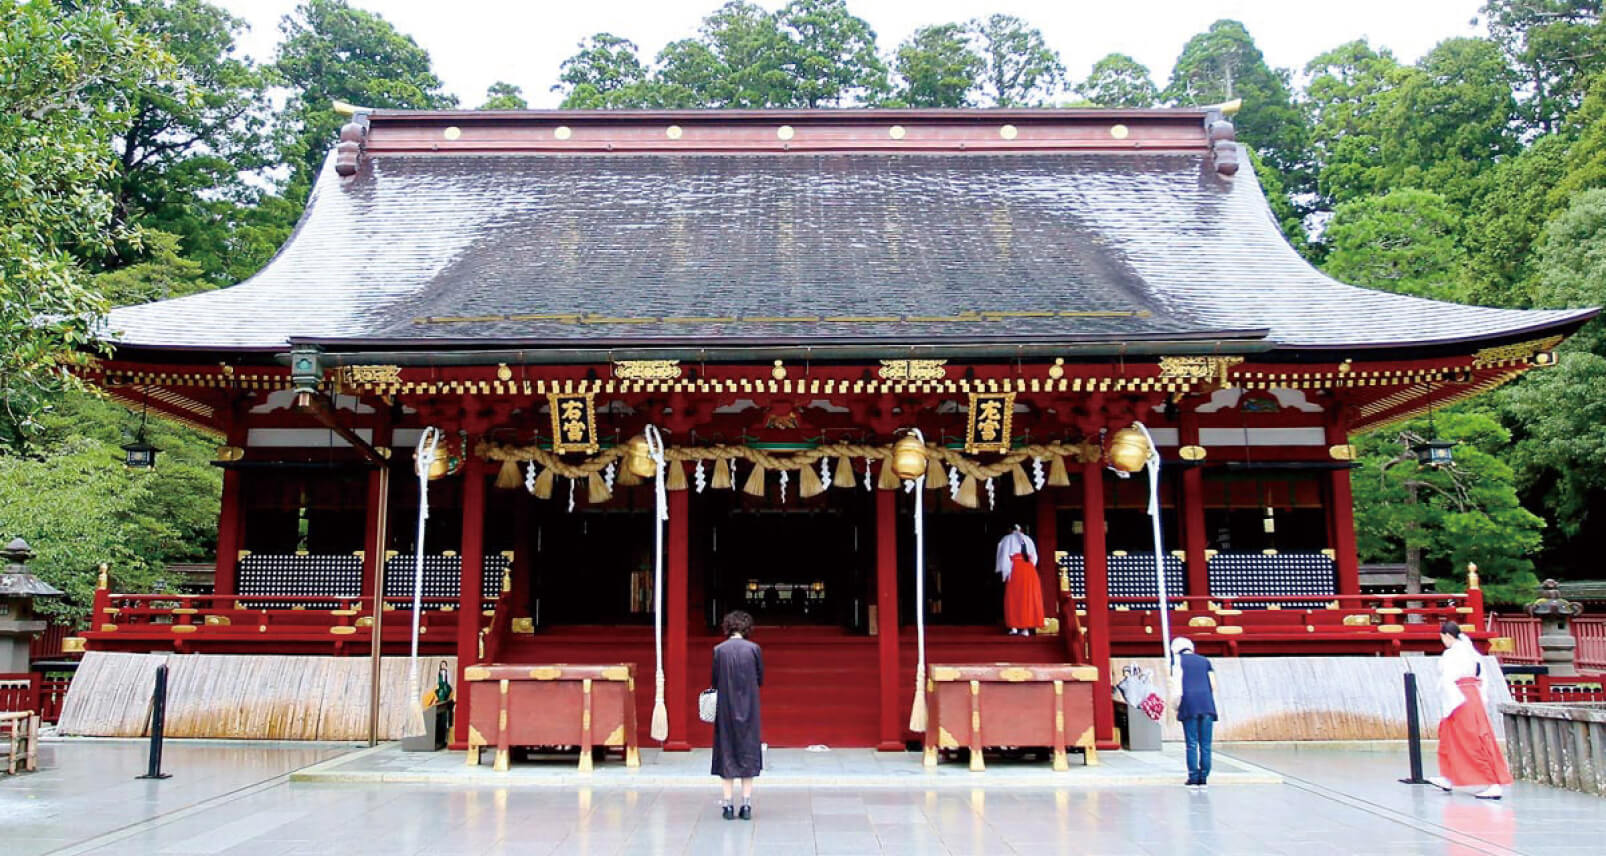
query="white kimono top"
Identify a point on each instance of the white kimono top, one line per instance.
(1014, 543)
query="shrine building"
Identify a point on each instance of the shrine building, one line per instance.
(783, 294)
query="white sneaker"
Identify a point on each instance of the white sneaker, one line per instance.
(1441, 783)
(1493, 792)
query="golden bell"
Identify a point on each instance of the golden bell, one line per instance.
(438, 468)
(1129, 450)
(638, 457)
(909, 457)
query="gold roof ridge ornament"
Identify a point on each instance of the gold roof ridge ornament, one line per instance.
(1198, 368)
(914, 369)
(647, 369)
(1227, 108)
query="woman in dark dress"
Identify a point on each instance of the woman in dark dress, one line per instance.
(738, 744)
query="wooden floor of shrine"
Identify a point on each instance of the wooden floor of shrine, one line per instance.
(821, 684)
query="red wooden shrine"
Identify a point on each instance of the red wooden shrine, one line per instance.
(766, 287)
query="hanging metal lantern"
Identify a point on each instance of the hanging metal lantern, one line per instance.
(638, 457)
(909, 458)
(140, 455)
(1129, 450)
(1434, 453)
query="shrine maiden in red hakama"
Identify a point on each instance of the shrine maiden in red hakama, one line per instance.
(1468, 753)
(1023, 592)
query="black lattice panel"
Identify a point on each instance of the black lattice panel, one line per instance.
(299, 576)
(1241, 574)
(1130, 576)
(442, 576)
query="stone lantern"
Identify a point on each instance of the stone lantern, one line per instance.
(1556, 643)
(18, 623)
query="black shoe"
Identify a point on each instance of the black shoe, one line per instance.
(746, 813)
(728, 812)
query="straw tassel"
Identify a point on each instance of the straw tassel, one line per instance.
(1057, 474)
(917, 711)
(722, 474)
(889, 478)
(660, 712)
(675, 475)
(508, 477)
(808, 482)
(542, 487)
(626, 477)
(1023, 482)
(597, 489)
(844, 473)
(755, 482)
(935, 477)
(967, 493)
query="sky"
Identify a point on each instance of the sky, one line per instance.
(475, 43)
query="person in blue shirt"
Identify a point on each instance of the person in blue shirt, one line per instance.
(1194, 680)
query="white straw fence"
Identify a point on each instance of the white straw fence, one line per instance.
(256, 697)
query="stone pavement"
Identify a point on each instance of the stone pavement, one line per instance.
(856, 768)
(237, 799)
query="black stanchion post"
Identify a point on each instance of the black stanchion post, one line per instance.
(1413, 731)
(158, 722)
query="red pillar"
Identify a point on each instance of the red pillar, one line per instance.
(231, 517)
(1047, 542)
(469, 600)
(677, 620)
(1194, 537)
(375, 537)
(1341, 509)
(1095, 558)
(887, 635)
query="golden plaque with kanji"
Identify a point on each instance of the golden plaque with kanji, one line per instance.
(990, 415)
(574, 423)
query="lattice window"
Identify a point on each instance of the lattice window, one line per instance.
(327, 575)
(1130, 576)
(340, 576)
(1238, 574)
(442, 576)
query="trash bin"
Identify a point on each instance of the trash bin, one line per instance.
(1140, 734)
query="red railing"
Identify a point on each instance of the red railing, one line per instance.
(1545, 688)
(246, 619)
(1590, 633)
(47, 645)
(19, 692)
(1523, 631)
(52, 694)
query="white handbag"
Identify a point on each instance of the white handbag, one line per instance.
(707, 704)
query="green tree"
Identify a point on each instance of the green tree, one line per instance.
(192, 143)
(1405, 241)
(604, 64)
(1438, 519)
(162, 274)
(938, 67)
(1555, 46)
(1507, 220)
(833, 56)
(68, 78)
(1222, 64)
(1453, 120)
(504, 96)
(1118, 80)
(332, 52)
(1021, 69)
(1349, 100)
(78, 506)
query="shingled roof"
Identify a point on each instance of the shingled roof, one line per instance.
(1108, 230)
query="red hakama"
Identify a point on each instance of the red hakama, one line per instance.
(1468, 753)
(1023, 595)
